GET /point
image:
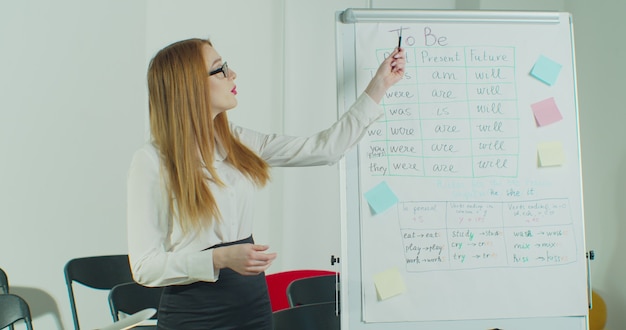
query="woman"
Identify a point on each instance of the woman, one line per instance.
(190, 189)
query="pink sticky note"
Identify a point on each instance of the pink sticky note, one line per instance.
(546, 112)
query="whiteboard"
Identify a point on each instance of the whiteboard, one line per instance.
(462, 206)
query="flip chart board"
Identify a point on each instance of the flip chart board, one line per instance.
(463, 203)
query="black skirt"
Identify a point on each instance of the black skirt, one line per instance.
(234, 301)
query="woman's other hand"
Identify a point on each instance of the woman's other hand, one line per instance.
(245, 259)
(389, 72)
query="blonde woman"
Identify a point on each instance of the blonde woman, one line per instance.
(190, 188)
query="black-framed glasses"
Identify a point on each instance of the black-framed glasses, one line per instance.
(223, 69)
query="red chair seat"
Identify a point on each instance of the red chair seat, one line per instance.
(277, 284)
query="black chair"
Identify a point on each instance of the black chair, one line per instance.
(97, 272)
(130, 298)
(311, 290)
(320, 316)
(4, 282)
(4, 286)
(13, 309)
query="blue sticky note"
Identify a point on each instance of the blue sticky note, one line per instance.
(546, 70)
(380, 198)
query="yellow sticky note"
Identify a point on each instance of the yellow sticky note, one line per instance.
(551, 154)
(389, 283)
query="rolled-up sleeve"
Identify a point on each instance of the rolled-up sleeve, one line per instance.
(324, 148)
(148, 229)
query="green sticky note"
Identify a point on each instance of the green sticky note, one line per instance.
(546, 70)
(380, 198)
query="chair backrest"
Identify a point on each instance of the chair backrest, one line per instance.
(4, 282)
(277, 284)
(311, 290)
(130, 298)
(307, 317)
(97, 272)
(13, 309)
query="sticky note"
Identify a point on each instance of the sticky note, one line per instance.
(389, 283)
(546, 70)
(551, 154)
(546, 112)
(380, 198)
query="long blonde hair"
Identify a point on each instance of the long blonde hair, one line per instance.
(185, 133)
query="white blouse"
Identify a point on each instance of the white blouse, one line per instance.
(160, 254)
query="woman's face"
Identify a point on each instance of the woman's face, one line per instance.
(222, 84)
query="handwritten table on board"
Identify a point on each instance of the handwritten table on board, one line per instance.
(479, 150)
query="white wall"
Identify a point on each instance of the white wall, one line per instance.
(73, 109)
(600, 51)
(70, 118)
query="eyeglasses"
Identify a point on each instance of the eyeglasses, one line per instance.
(223, 69)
